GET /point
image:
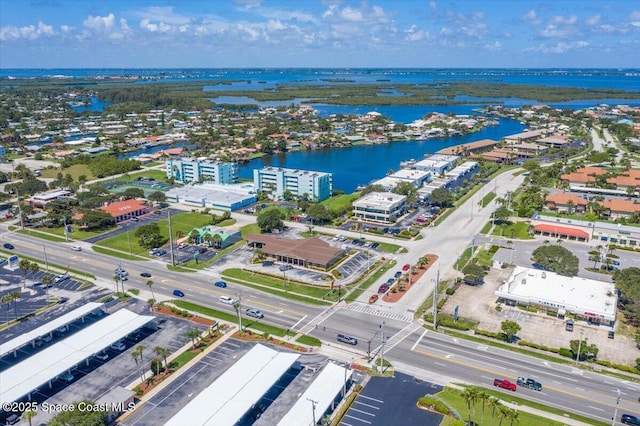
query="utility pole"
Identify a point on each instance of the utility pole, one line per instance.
(615, 413)
(64, 221)
(579, 346)
(238, 310)
(129, 241)
(20, 211)
(435, 301)
(313, 408)
(46, 262)
(173, 263)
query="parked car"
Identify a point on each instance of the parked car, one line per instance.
(569, 325)
(8, 246)
(202, 250)
(611, 334)
(383, 288)
(103, 356)
(255, 313)
(12, 419)
(178, 293)
(286, 267)
(375, 245)
(182, 245)
(373, 298)
(267, 263)
(60, 278)
(68, 377)
(118, 346)
(406, 267)
(145, 274)
(134, 219)
(347, 339)
(227, 300)
(220, 284)
(76, 248)
(397, 275)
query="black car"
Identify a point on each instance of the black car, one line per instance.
(628, 419)
(8, 246)
(612, 334)
(145, 274)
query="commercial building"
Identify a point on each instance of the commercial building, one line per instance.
(436, 164)
(384, 207)
(275, 181)
(191, 170)
(585, 298)
(44, 198)
(237, 390)
(220, 197)
(217, 237)
(124, 210)
(307, 252)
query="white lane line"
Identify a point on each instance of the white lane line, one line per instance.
(419, 339)
(372, 399)
(363, 412)
(440, 364)
(345, 423)
(595, 408)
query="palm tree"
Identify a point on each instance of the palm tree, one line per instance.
(467, 394)
(6, 299)
(474, 397)
(193, 335)
(208, 238)
(116, 278)
(150, 285)
(495, 404)
(29, 414)
(217, 241)
(503, 413)
(423, 261)
(140, 349)
(15, 296)
(24, 265)
(163, 353)
(33, 268)
(513, 416)
(151, 303)
(135, 354)
(46, 282)
(483, 396)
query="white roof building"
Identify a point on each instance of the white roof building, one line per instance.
(584, 297)
(324, 390)
(227, 399)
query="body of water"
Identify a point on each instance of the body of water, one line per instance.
(154, 149)
(359, 165)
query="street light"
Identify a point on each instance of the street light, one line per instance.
(579, 346)
(615, 413)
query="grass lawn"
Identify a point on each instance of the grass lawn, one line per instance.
(76, 234)
(463, 259)
(486, 228)
(484, 258)
(75, 171)
(184, 222)
(487, 199)
(159, 175)
(518, 230)
(340, 202)
(388, 247)
(41, 234)
(250, 229)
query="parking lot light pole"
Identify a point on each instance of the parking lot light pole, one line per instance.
(46, 262)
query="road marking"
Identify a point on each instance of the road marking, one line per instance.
(368, 405)
(595, 408)
(358, 419)
(363, 412)
(372, 399)
(299, 321)
(419, 338)
(440, 364)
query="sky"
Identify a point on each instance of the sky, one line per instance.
(319, 33)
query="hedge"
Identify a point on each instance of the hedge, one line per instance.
(566, 352)
(430, 401)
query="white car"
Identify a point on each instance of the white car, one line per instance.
(61, 278)
(76, 248)
(228, 300)
(118, 346)
(102, 356)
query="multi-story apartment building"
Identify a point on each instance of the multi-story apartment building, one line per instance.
(275, 181)
(190, 170)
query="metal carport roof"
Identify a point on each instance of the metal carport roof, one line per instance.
(69, 317)
(322, 391)
(46, 365)
(227, 399)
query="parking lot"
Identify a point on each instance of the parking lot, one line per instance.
(384, 400)
(94, 380)
(129, 225)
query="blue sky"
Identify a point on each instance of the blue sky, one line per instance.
(319, 33)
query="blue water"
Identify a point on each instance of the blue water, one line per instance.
(358, 165)
(96, 105)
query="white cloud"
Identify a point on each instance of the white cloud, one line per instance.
(494, 46)
(161, 27)
(29, 32)
(561, 47)
(531, 17)
(162, 14)
(433, 5)
(594, 20)
(415, 34)
(634, 18)
(100, 23)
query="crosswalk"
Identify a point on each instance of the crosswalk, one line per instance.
(318, 319)
(394, 340)
(367, 310)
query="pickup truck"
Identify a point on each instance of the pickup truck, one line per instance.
(504, 384)
(529, 383)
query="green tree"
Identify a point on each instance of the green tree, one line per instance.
(149, 236)
(95, 220)
(510, 329)
(407, 189)
(77, 417)
(318, 213)
(24, 265)
(131, 193)
(557, 259)
(156, 366)
(46, 282)
(502, 214)
(193, 334)
(149, 284)
(163, 353)
(495, 405)
(29, 415)
(33, 268)
(585, 348)
(626, 282)
(270, 218)
(157, 197)
(441, 197)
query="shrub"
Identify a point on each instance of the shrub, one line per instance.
(498, 308)
(565, 352)
(450, 291)
(430, 401)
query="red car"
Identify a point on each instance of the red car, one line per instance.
(406, 267)
(504, 384)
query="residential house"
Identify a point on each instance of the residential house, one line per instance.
(565, 202)
(618, 208)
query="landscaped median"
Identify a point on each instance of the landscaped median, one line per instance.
(186, 308)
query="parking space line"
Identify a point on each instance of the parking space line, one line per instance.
(372, 399)
(368, 405)
(345, 423)
(358, 419)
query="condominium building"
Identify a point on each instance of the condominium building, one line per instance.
(383, 207)
(275, 181)
(191, 170)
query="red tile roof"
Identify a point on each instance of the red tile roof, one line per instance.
(562, 230)
(120, 208)
(621, 205)
(563, 199)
